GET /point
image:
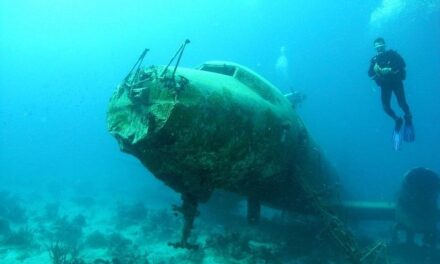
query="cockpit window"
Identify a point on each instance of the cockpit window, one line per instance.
(256, 84)
(221, 69)
(248, 78)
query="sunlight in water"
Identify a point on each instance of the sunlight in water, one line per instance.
(390, 10)
(386, 11)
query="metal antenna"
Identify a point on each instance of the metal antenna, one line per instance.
(180, 56)
(179, 52)
(138, 64)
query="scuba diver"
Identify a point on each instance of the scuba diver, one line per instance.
(387, 69)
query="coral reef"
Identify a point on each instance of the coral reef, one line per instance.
(51, 211)
(11, 208)
(62, 254)
(79, 236)
(123, 250)
(130, 214)
(84, 201)
(96, 240)
(161, 225)
(238, 248)
(22, 238)
(5, 228)
(67, 231)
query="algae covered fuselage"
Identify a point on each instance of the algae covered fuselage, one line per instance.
(219, 126)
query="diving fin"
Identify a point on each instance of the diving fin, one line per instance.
(397, 136)
(409, 134)
(397, 140)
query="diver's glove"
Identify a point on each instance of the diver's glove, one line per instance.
(377, 69)
(382, 71)
(386, 71)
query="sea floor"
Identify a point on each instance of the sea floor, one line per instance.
(97, 230)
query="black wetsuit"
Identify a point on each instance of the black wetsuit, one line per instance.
(392, 82)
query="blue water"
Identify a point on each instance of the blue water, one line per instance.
(60, 62)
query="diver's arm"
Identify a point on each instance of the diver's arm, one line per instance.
(395, 66)
(398, 63)
(371, 72)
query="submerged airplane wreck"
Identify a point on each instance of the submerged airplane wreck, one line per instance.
(221, 126)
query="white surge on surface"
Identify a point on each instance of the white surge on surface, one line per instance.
(389, 10)
(386, 11)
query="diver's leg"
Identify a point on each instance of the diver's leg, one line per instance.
(401, 99)
(386, 102)
(408, 131)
